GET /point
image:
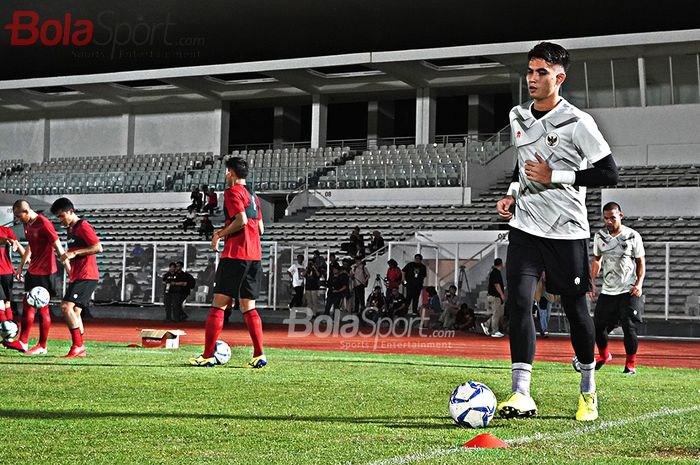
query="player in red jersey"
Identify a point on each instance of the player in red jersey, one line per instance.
(83, 244)
(42, 241)
(8, 241)
(239, 270)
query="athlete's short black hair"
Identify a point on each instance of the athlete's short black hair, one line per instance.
(611, 206)
(61, 205)
(238, 166)
(551, 53)
(418, 256)
(21, 205)
(498, 262)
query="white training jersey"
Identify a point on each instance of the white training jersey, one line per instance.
(567, 139)
(296, 271)
(618, 256)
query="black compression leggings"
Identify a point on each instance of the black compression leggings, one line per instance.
(629, 329)
(521, 295)
(581, 326)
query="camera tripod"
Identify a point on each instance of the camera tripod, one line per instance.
(463, 288)
(378, 281)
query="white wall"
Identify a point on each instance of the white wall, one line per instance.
(23, 139)
(171, 131)
(655, 201)
(157, 129)
(88, 136)
(451, 236)
(131, 200)
(393, 196)
(6, 216)
(658, 135)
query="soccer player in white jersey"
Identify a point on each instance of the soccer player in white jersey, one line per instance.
(619, 252)
(556, 142)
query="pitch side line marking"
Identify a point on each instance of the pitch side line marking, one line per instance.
(421, 456)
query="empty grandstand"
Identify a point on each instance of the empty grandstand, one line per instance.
(412, 143)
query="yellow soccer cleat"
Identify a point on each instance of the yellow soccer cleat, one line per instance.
(587, 407)
(257, 362)
(201, 361)
(517, 406)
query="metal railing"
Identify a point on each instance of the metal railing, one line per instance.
(389, 141)
(409, 173)
(467, 264)
(31, 183)
(353, 144)
(658, 180)
(362, 143)
(482, 148)
(135, 270)
(137, 267)
(670, 267)
(270, 145)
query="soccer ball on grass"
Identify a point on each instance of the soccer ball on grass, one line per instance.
(8, 330)
(472, 405)
(222, 353)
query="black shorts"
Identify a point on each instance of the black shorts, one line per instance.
(44, 280)
(238, 278)
(80, 292)
(6, 282)
(610, 310)
(565, 262)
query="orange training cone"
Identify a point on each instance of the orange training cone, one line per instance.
(485, 441)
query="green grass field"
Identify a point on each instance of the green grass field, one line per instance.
(145, 406)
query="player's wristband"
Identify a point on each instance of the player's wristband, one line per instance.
(513, 189)
(563, 177)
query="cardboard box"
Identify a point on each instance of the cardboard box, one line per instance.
(168, 338)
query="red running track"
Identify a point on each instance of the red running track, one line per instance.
(672, 354)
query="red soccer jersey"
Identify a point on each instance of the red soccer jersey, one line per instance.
(244, 244)
(41, 235)
(80, 236)
(5, 262)
(212, 199)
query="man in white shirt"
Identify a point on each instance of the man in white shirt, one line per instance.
(297, 272)
(360, 279)
(619, 252)
(545, 205)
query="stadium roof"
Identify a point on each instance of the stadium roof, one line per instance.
(374, 47)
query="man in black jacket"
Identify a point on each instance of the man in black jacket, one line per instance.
(414, 274)
(178, 285)
(170, 292)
